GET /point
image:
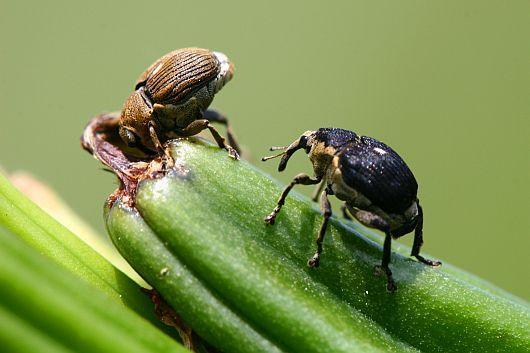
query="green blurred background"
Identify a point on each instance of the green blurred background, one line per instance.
(445, 83)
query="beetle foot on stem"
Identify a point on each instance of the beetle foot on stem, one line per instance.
(314, 262)
(390, 284)
(232, 153)
(428, 262)
(270, 219)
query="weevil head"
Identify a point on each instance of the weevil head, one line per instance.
(305, 141)
(134, 120)
(320, 145)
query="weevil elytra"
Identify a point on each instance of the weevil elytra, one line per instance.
(376, 185)
(171, 99)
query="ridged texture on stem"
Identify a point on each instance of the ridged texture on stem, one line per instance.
(40, 231)
(45, 308)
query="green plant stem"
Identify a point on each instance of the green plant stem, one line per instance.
(202, 308)
(52, 203)
(211, 221)
(25, 219)
(65, 310)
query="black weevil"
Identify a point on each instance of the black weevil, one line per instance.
(377, 186)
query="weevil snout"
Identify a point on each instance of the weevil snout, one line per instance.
(305, 141)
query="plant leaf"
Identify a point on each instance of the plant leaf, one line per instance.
(43, 233)
(44, 307)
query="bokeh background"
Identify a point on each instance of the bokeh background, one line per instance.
(445, 83)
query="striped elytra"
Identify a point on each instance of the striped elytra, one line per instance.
(176, 75)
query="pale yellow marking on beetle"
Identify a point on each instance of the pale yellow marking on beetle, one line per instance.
(321, 156)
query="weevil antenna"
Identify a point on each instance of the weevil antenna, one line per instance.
(263, 159)
(277, 148)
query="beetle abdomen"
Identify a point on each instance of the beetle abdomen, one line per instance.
(178, 74)
(379, 173)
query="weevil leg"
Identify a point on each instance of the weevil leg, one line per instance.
(372, 220)
(167, 160)
(155, 139)
(301, 178)
(387, 248)
(199, 125)
(317, 191)
(326, 210)
(215, 116)
(418, 241)
(344, 210)
(194, 128)
(222, 143)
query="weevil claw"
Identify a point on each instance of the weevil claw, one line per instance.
(391, 286)
(270, 219)
(432, 263)
(232, 153)
(314, 262)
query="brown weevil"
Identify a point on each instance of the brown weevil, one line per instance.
(378, 188)
(171, 99)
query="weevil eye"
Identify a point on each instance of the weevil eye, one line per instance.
(303, 144)
(129, 137)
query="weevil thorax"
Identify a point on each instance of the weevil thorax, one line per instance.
(320, 152)
(326, 143)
